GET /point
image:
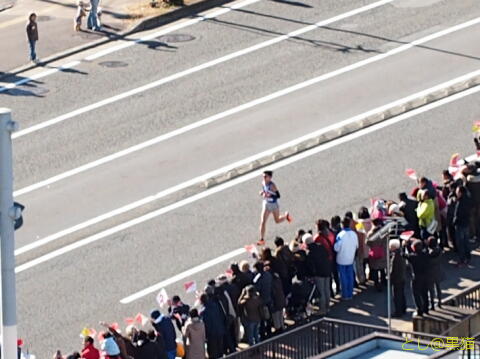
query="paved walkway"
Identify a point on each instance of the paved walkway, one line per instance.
(55, 24)
(369, 306)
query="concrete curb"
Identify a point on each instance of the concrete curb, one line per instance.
(334, 132)
(144, 24)
(266, 158)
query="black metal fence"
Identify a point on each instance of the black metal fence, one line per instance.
(467, 298)
(320, 336)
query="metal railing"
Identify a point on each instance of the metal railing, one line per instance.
(468, 298)
(315, 338)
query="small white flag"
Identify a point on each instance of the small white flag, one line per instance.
(162, 297)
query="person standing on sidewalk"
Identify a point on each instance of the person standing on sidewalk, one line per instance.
(92, 21)
(32, 35)
(270, 195)
(461, 221)
(346, 247)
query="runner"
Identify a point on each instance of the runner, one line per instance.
(270, 196)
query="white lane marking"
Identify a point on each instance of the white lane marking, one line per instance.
(195, 69)
(204, 177)
(236, 181)
(283, 163)
(180, 25)
(216, 117)
(186, 274)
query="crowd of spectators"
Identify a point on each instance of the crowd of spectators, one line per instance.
(251, 303)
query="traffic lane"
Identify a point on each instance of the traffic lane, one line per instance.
(297, 61)
(197, 152)
(240, 29)
(155, 59)
(96, 277)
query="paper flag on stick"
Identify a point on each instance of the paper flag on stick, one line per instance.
(476, 127)
(19, 342)
(411, 173)
(252, 250)
(478, 154)
(115, 326)
(229, 273)
(100, 337)
(454, 160)
(407, 235)
(129, 321)
(141, 319)
(190, 287)
(93, 332)
(162, 297)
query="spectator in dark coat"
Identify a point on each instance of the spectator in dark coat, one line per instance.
(420, 262)
(408, 206)
(319, 270)
(398, 278)
(32, 35)
(299, 260)
(279, 302)
(157, 339)
(178, 311)
(461, 221)
(146, 349)
(436, 271)
(250, 306)
(263, 283)
(285, 256)
(215, 325)
(164, 326)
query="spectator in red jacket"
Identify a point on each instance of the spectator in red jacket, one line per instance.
(89, 351)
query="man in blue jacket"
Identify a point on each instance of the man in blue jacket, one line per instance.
(164, 326)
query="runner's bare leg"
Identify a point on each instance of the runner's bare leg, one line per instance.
(263, 222)
(278, 218)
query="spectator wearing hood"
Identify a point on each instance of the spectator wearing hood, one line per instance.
(215, 325)
(164, 326)
(194, 336)
(89, 351)
(346, 246)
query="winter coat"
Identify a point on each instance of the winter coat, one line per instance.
(32, 31)
(461, 214)
(147, 350)
(318, 264)
(436, 272)
(278, 293)
(164, 326)
(250, 307)
(300, 263)
(377, 245)
(194, 338)
(425, 213)
(398, 271)
(263, 284)
(214, 319)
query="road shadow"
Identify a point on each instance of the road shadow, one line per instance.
(326, 44)
(26, 86)
(293, 3)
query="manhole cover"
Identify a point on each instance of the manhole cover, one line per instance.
(25, 90)
(113, 64)
(176, 38)
(44, 18)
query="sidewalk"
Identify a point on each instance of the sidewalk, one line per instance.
(55, 25)
(370, 306)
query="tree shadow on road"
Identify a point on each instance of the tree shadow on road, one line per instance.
(293, 3)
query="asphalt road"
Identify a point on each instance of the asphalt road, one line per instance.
(59, 297)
